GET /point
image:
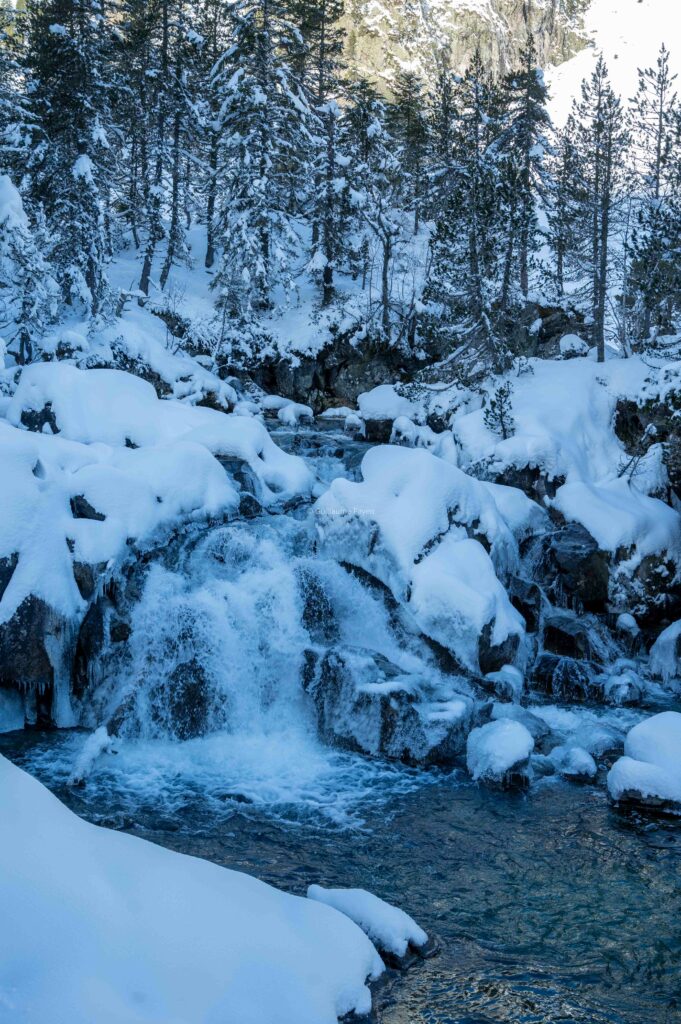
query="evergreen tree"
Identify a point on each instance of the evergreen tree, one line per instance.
(265, 132)
(523, 147)
(320, 57)
(29, 296)
(566, 203)
(409, 126)
(601, 140)
(656, 267)
(69, 101)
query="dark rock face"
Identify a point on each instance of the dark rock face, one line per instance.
(37, 420)
(29, 642)
(566, 635)
(527, 599)
(318, 614)
(531, 481)
(492, 657)
(82, 509)
(365, 703)
(564, 677)
(338, 374)
(7, 567)
(581, 567)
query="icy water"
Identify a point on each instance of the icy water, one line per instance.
(548, 907)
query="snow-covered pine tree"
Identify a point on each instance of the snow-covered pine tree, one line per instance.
(69, 99)
(656, 243)
(565, 208)
(265, 134)
(319, 22)
(408, 123)
(376, 198)
(466, 256)
(523, 146)
(601, 140)
(29, 296)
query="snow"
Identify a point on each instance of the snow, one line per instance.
(496, 748)
(573, 762)
(629, 34)
(12, 213)
(651, 766)
(384, 403)
(389, 928)
(117, 409)
(563, 413)
(407, 523)
(573, 345)
(99, 925)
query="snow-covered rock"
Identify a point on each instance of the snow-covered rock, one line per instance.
(573, 762)
(390, 929)
(414, 523)
(117, 409)
(102, 926)
(572, 345)
(499, 752)
(650, 771)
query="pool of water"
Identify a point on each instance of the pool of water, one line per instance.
(548, 907)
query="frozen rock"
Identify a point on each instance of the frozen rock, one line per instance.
(649, 774)
(665, 654)
(573, 762)
(434, 536)
(499, 753)
(508, 682)
(571, 345)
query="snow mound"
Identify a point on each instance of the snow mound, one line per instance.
(102, 926)
(573, 345)
(497, 749)
(650, 771)
(413, 523)
(389, 928)
(384, 403)
(115, 408)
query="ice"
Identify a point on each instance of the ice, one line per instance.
(665, 654)
(389, 928)
(497, 748)
(102, 926)
(650, 770)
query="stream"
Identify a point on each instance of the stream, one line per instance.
(547, 906)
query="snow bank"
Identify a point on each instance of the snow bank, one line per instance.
(650, 771)
(102, 926)
(573, 762)
(118, 409)
(563, 414)
(413, 523)
(495, 749)
(132, 492)
(388, 927)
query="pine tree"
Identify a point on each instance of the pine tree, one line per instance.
(409, 126)
(29, 296)
(601, 142)
(320, 58)
(265, 131)
(565, 206)
(70, 103)
(656, 268)
(523, 147)
(465, 252)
